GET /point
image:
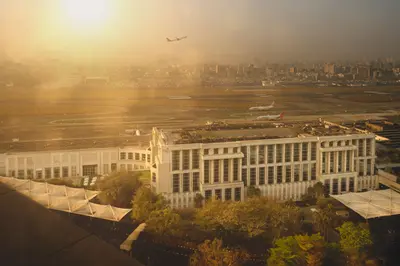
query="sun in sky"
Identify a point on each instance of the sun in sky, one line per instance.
(86, 14)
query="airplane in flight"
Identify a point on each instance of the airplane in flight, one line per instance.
(270, 117)
(262, 108)
(176, 39)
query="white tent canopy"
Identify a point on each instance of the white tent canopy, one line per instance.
(372, 204)
(67, 199)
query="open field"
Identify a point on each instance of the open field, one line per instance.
(37, 114)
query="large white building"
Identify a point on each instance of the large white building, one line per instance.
(282, 162)
(73, 162)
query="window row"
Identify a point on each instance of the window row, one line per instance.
(279, 153)
(134, 156)
(185, 163)
(279, 174)
(221, 170)
(234, 194)
(185, 182)
(216, 151)
(338, 185)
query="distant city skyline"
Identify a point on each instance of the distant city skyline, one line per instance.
(217, 30)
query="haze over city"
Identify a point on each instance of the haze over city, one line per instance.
(227, 30)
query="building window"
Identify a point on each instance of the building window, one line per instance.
(143, 157)
(185, 159)
(186, 182)
(296, 173)
(305, 173)
(313, 151)
(369, 144)
(361, 148)
(206, 151)
(253, 154)
(153, 177)
(29, 173)
(252, 176)
(175, 160)
(340, 162)
(228, 194)
(47, 173)
(235, 169)
(335, 186)
(196, 182)
(331, 160)
(369, 167)
(130, 155)
(327, 187)
(261, 154)
(351, 184)
(130, 167)
(235, 150)
(323, 163)
(244, 176)
(90, 170)
(195, 159)
(261, 176)
(73, 171)
(148, 158)
(313, 172)
(122, 167)
(39, 174)
(226, 170)
(56, 172)
(279, 174)
(270, 174)
(296, 152)
(113, 167)
(175, 183)
(218, 194)
(288, 152)
(244, 151)
(122, 156)
(137, 156)
(270, 154)
(105, 169)
(226, 150)
(343, 185)
(21, 173)
(216, 171)
(304, 151)
(206, 172)
(207, 194)
(279, 153)
(215, 151)
(348, 158)
(238, 194)
(361, 168)
(288, 175)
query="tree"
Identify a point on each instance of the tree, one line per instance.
(313, 193)
(212, 253)
(119, 188)
(144, 202)
(163, 221)
(324, 219)
(354, 241)
(253, 192)
(298, 250)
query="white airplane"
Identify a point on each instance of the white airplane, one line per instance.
(270, 117)
(262, 108)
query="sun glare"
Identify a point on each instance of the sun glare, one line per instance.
(86, 13)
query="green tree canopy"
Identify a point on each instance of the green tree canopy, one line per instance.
(212, 253)
(144, 202)
(298, 250)
(253, 192)
(119, 188)
(354, 237)
(164, 221)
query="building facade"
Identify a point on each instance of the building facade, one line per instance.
(72, 163)
(282, 168)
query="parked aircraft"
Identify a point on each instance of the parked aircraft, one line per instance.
(262, 108)
(176, 39)
(270, 117)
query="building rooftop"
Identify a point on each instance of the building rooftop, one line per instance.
(73, 144)
(241, 132)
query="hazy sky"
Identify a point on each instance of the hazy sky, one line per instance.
(272, 30)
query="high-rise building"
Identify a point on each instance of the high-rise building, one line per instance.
(224, 163)
(329, 69)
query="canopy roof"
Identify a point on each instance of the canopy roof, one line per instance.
(67, 199)
(372, 204)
